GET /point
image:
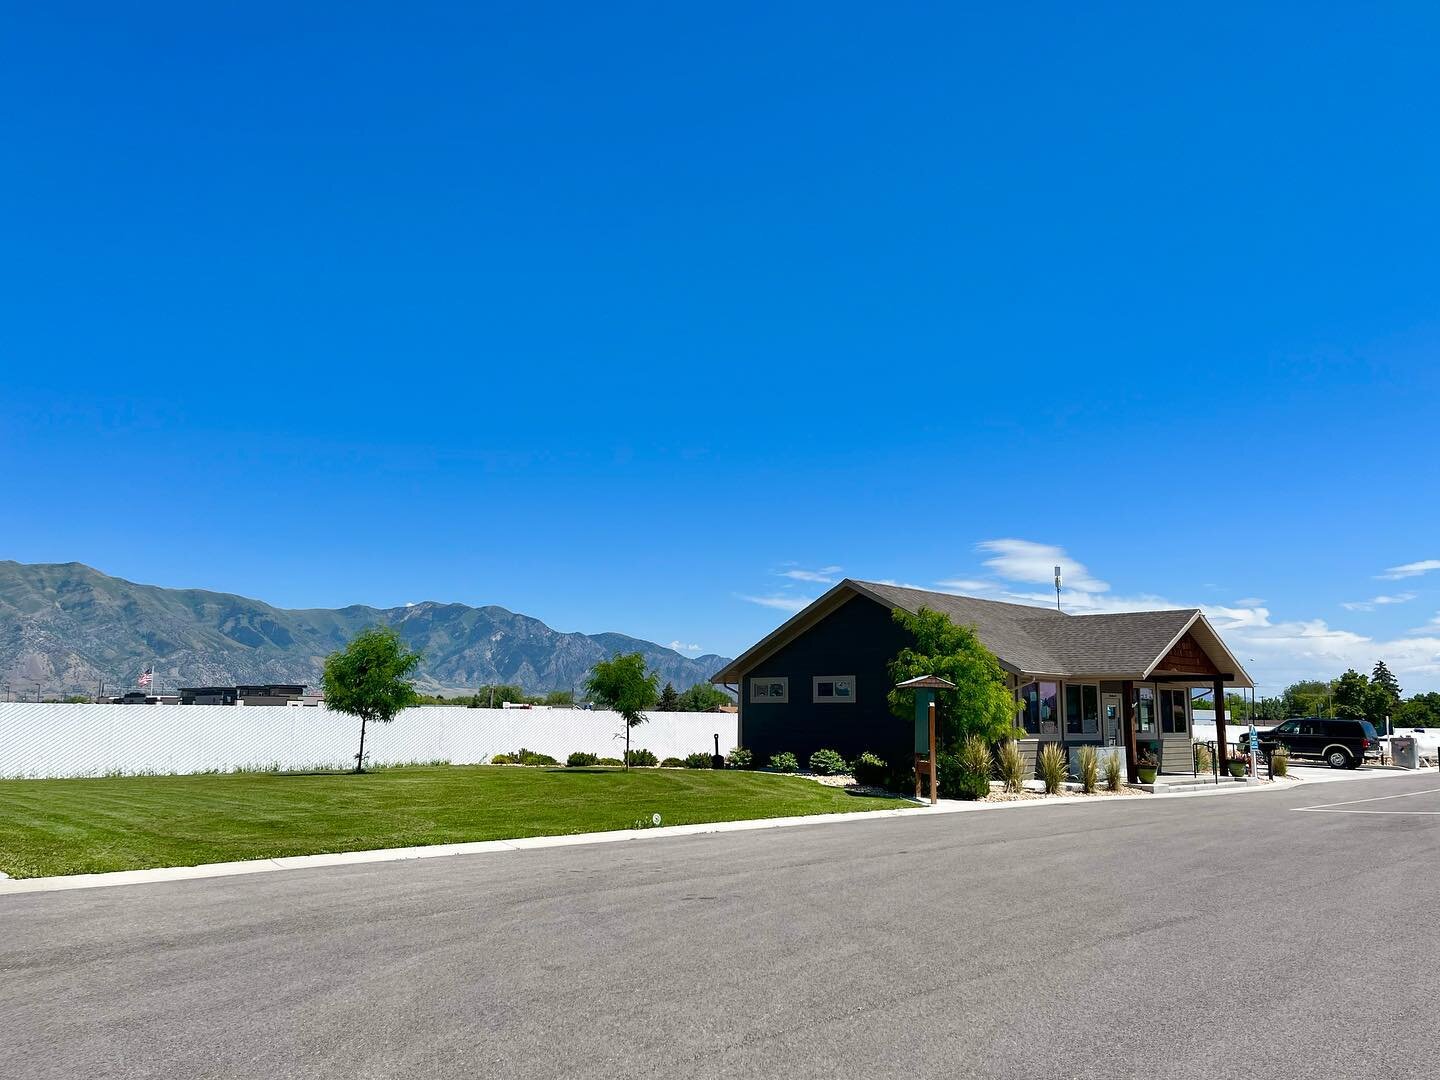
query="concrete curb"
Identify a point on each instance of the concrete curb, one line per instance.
(12, 886)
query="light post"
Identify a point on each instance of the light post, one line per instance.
(925, 687)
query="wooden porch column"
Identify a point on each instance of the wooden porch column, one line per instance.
(1127, 725)
(1218, 690)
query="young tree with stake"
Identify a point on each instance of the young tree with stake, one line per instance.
(622, 684)
(370, 678)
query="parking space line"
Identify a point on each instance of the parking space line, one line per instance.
(1330, 807)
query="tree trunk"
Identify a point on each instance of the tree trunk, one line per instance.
(360, 757)
(627, 744)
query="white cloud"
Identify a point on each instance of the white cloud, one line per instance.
(781, 603)
(1249, 601)
(823, 576)
(680, 646)
(1378, 601)
(1027, 561)
(966, 585)
(1409, 569)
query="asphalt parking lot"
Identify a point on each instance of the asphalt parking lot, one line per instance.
(1223, 935)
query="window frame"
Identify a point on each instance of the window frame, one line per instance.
(1173, 697)
(767, 698)
(833, 699)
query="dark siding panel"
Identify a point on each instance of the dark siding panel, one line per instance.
(859, 638)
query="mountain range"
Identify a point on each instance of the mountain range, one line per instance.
(67, 627)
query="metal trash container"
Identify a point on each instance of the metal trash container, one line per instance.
(1404, 752)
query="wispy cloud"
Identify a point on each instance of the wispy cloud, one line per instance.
(1409, 569)
(1378, 601)
(826, 575)
(965, 585)
(680, 646)
(1034, 563)
(778, 601)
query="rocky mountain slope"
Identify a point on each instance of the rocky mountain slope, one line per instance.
(68, 626)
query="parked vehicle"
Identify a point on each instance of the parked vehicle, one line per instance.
(1344, 744)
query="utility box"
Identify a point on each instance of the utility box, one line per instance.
(1404, 752)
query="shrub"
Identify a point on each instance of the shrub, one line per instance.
(502, 759)
(965, 775)
(1089, 769)
(672, 763)
(1114, 772)
(530, 757)
(641, 759)
(613, 762)
(784, 762)
(1204, 760)
(579, 760)
(1280, 762)
(1010, 763)
(697, 761)
(870, 770)
(1052, 767)
(828, 763)
(739, 758)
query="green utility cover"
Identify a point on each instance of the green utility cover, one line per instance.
(922, 720)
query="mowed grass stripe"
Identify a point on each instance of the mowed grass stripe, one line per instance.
(50, 827)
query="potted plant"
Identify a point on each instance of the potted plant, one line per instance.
(1238, 764)
(1146, 766)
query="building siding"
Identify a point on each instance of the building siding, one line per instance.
(859, 638)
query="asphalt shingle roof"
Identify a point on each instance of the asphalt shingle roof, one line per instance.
(1042, 640)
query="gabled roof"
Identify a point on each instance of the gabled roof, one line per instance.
(1027, 640)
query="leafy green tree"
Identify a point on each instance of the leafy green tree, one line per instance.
(1308, 697)
(1350, 695)
(370, 678)
(702, 697)
(979, 705)
(1386, 692)
(1419, 710)
(623, 684)
(669, 699)
(560, 698)
(497, 695)
(1269, 710)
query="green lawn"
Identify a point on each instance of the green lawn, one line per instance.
(89, 826)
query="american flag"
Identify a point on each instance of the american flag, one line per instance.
(144, 679)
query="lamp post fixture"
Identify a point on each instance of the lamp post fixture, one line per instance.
(925, 687)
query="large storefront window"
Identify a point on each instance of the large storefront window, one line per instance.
(1082, 710)
(1172, 712)
(1042, 708)
(1145, 712)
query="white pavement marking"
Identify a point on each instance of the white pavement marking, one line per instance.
(526, 843)
(1330, 808)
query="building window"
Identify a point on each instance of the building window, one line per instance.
(1145, 712)
(1042, 708)
(1082, 709)
(1172, 712)
(833, 688)
(770, 689)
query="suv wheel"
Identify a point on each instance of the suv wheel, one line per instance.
(1338, 759)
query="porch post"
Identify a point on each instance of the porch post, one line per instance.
(1127, 723)
(1218, 690)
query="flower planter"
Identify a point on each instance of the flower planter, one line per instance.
(1237, 769)
(1146, 774)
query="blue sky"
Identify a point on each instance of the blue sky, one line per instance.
(647, 319)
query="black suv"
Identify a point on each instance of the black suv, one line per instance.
(1345, 744)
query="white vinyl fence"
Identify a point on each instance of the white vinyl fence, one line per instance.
(40, 740)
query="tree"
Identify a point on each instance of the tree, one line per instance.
(1308, 697)
(1420, 710)
(1350, 693)
(1383, 680)
(560, 698)
(1270, 710)
(702, 697)
(669, 699)
(369, 678)
(980, 704)
(622, 684)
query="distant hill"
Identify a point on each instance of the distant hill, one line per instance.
(67, 626)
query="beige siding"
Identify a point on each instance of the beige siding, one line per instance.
(1175, 754)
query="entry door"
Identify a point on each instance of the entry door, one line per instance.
(1110, 714)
